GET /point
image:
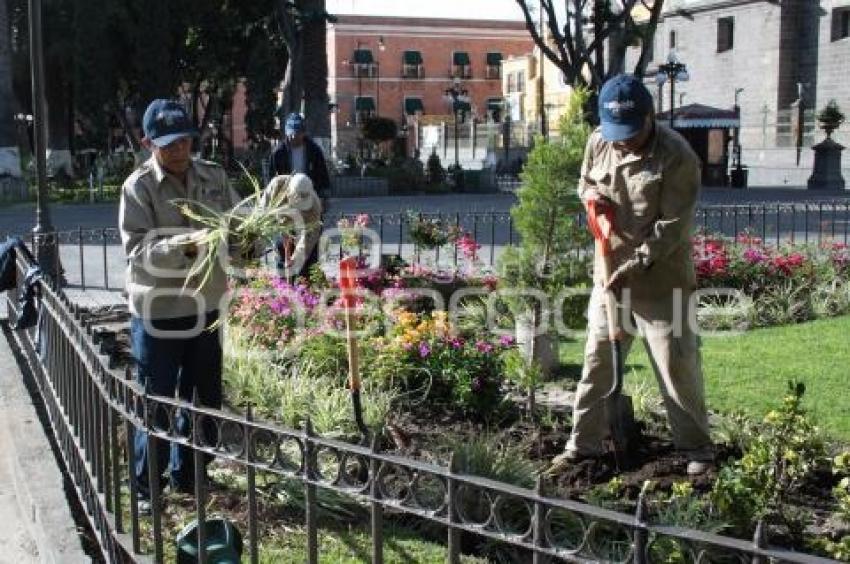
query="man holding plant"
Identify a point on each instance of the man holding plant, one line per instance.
(648, 178)
(174, 344)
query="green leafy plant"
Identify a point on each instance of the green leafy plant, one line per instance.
(435, 172)
(545, 218)
(380, 129)
(831, 114)
(429, 232)
(609, 495)
(489, 456)
(526, 374)
(784, 453)
(682, 507)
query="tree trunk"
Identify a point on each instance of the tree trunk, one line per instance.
(292, 85)
(58, 118)
(10, 164)
(315, 76)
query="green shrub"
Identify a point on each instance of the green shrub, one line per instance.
(774, 465)
(434, 169)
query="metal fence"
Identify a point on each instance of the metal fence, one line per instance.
(93, 407)
(91, 258)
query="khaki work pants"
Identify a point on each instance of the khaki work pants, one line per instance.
(673, 349)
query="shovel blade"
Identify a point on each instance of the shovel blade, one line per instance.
(621, 420)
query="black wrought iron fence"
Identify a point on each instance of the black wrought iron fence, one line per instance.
(93, 407)
(92, 257)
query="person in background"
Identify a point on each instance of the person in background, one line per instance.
(298, 153)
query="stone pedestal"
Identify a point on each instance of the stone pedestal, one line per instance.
(827, 170)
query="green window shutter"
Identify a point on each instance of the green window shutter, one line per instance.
(494, 59)
(364, 104)
(363, 56)
(460, 58)
(413, 105)
(412, 58)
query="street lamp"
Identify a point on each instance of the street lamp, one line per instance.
(459, 97)
(44, 235)
(736, 146)
(381, 47)
(673, 71)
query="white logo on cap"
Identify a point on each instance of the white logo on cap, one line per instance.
(169, 116)
(616, 107)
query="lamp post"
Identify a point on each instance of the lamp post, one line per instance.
(673, 71)
(458, 97)
(43, 233)
(736, 147)
(738, 174)
(381, 47)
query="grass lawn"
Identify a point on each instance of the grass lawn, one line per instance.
(749, 372)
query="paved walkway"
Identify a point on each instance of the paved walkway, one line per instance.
(36, 524)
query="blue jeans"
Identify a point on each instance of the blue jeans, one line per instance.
(180, 364)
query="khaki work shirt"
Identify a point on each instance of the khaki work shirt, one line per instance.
(154, 233)
(655, 196)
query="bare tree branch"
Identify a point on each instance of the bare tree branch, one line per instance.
(647, 36)
(571, 51)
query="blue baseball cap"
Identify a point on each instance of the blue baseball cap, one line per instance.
(166, 121)
(294, 123)
(624, 103)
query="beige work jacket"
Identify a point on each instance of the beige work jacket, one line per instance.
(655, 197)
(154, 233)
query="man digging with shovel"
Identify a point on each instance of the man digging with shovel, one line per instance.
(640, 182)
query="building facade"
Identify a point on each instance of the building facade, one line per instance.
(521, 85)
(401, 68)
(770, 53)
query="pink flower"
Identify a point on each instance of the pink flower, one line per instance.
(362, 220)
(456, 342)
(754, 256)
(468, 246)
(506, 340)
(424, 349)
(484, 347)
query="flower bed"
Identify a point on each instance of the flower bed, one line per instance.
(770, 285)
(438, 388)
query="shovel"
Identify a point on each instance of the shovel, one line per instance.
(347, 284)
(618, 408)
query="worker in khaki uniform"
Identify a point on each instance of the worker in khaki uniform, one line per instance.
(649, 176)
(174, 339)
(295, 196)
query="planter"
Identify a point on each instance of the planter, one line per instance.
(545, 351)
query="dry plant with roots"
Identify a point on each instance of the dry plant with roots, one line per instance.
(238, 232)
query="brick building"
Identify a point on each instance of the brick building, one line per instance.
(400, 68)
(766, 48)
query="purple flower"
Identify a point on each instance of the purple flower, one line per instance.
(754, 256)
(456, 343)
(424, 349)
(484, 347)
(506, 340)
(280, 306)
